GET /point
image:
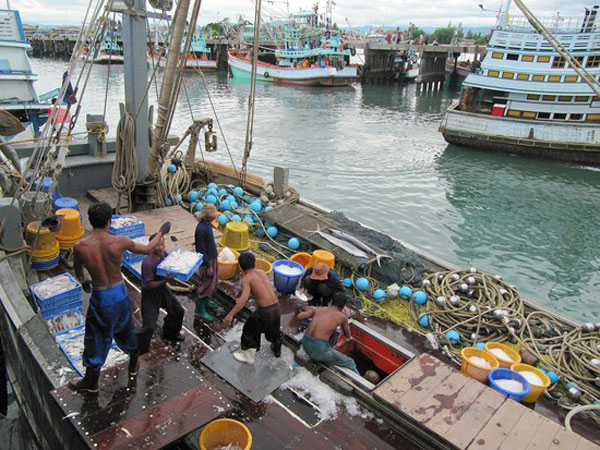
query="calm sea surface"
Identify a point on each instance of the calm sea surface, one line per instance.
(374, 153)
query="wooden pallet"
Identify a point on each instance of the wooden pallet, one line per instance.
(468, 414)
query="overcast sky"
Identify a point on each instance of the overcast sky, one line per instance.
(353, 12)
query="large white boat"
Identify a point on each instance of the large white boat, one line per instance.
(526, 98)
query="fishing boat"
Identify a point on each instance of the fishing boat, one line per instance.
(536, 92)
(110, 52)
(200, 56)
(420, 399)
(462, 68)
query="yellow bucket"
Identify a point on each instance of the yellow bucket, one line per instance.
(222, 432)
(236, 237)
(474, 370)
(301, 258)
(263, 265)
(322, 256)
(71, 231)
(536, 390)
(227, 269)
(504, 363)
(41, 241)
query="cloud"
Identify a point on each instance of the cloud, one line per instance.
(353, 12)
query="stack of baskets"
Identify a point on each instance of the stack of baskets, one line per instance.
(44, 249)
(62, 302)
(71, 230)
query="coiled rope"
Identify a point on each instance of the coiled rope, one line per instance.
(125, 170)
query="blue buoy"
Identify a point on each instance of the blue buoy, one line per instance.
(256, 206)
(225, 205)
(553, 377)
(236, 218)
(272, 231)
(479, 345)
(199, 206)
(238, 191)
(234, 204)
(212, 192)
(294, 243)
(453, 337)
(169, 201)
(260, 232)
(193, 196)
(193, 206)
(222, 191)
(230, 198)
(212, 186)
(268, 208)
(424, 320)
(362, 284)
(405, 292)
(172, 168)
(211, 199)
(347, 282)
(223, 220)
(249, 220)
(420, 298)
(379, 295)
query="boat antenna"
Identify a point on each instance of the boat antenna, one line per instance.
(555, 43)
(7, 4)
(252, 94)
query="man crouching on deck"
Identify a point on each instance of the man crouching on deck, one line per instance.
(265, 319)
(109, 312)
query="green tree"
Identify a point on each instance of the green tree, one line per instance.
(447, 34)
(414, 32)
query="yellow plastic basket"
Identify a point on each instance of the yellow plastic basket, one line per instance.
(516, 358)
(263, 264)
(536, 390)
(222, 432)
(322, 256)
(236, 236)
(227, 269)
(72, 230)
(475, 370)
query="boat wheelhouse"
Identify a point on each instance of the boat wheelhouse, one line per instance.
(111, 52)
(526, 98)
(199, 57)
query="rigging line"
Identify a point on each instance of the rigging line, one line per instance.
(108, 76)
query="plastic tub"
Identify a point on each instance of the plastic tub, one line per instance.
(41, 241)
(301, 258)
(222, 432)
(504, 363)
(507, 374)
(536, 390)
(264, 265)
(322, 256)
(283, 282)
(236, 236)
(71, 230)
(475, 370)
(227, 269)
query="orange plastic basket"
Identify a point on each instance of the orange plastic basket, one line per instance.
(222, 432)
(301, 258)
(227, 269)
(504, 363)
(263, 264)
(474, 370)
(536, 390)
(322, 256)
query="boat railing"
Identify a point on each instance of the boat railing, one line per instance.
(555, 24)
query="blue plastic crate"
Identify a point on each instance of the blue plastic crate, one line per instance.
(131, 231)
(68, 296)
(57, 310)
(75, 360)
(135, 268)
(180, 275)
(64, 331)
(131, 257)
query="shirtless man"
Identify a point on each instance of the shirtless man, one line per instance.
(265, 319)
(318, 336)
(109, 312)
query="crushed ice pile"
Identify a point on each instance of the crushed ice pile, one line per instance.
(180, 261)
(289, 271)
(124, 221)
(227, 447)
(54, 286)
(226, 255)
(532, 377)
(481, 362)
(499, 353)
(65, 321)
(510, 385)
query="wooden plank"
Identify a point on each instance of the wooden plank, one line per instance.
(565, 440)
(522, 434)
(544, 435)
(498, 427)
(474, 419)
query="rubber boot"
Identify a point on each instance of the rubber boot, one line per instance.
(245, 356)
(276, 347)
(89, 383)
(211, 304)
(201, 310)
(134, 364)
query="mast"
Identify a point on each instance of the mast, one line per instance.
(503, 15)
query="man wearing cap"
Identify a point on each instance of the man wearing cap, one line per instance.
(321, 282)
(208, 271)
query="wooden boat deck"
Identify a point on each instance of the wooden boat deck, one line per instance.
(468, 414)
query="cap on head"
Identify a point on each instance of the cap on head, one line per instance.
(320, 271)
(208, 211)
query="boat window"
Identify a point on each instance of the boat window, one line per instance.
(523, 76)
(554, 78)
(512, 57)
(594, 117)
(571, 78)
(538, 78)
(558, 62)
(533, 96)
(543, 115)
(593, 61)
(576, 117)
(509, 75)
(548, 98)
(559, 116)
(581, 98)
(596, 98)
(493, 73)
(498, 55)
(529, 114)
(543, 59)
(514, 113)
(564, 98)
(579, 59)
(527, 58)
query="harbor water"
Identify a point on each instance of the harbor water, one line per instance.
(375, 153)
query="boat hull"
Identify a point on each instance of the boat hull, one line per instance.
(461, 71)
(311, 76)
(191, 64)
(571, 142)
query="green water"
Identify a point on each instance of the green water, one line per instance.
(374, 153)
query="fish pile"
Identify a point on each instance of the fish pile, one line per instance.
(289, 271)
(501, 354)
(481, 362)
(226, 255)
(73, 346)
(65, 321)
(510, 385)
(227, 447)
(115, 356)
(124, 221)
(179, 261)
(144, 240)
(54, 286)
